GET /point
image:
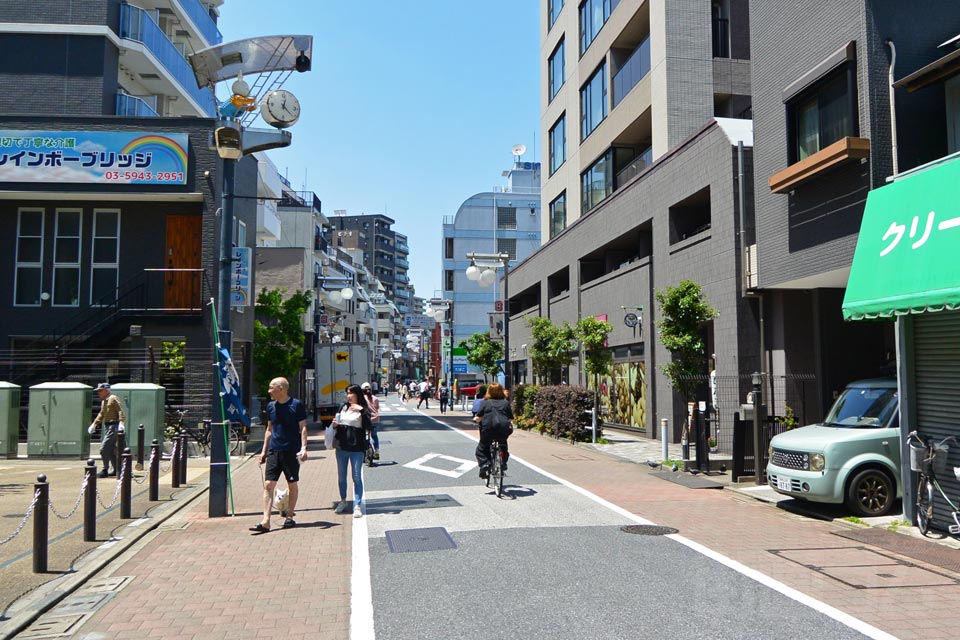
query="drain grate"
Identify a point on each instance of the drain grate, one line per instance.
(649, 530)
(412, 540)
(52, 627)
(396, 505)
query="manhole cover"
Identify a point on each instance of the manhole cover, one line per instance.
(52, 627)
(428, 539)
(396, 505)
(649, 530)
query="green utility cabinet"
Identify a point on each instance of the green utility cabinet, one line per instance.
(57, 423)
(9, 419)
(143, 404)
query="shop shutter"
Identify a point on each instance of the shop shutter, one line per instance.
(936, 343)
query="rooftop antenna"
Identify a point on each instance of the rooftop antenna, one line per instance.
(518, 150)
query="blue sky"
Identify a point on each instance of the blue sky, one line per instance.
(410, 108)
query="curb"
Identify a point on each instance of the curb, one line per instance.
(34, 604)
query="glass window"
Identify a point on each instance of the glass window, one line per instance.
(593, 102)
(558, 144)
(105, 265)
(29, 270)
(555, 69)
(596, 183)
(558, 215)
(553, 11)
(506, 217)
(448, 248)
(508, 246)
(66, 258)
(593, 15)
(822, 115)
(448, 280)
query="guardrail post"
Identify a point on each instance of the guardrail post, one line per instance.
(153, 490)
(90, 502)
(183, 460)
(175, 463)
(140, 447)
(125, 478)
(41, 519)
(664, 426)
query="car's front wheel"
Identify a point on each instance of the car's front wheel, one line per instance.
(871, 493)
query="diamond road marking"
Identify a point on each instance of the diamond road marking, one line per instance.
(465, 465)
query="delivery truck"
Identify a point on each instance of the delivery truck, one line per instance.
(338, 365)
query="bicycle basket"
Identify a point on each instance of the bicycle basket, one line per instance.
(917, 453)
(939, 462)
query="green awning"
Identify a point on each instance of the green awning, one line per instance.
(908, 254)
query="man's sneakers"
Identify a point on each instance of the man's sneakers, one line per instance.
(103, 474)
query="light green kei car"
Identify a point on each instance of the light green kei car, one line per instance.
(852, 457)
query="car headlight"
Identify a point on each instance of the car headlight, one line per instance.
(770, 452)
(816, 462)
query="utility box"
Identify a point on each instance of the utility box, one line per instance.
(9, 419)
(57, 423)
(142, 404)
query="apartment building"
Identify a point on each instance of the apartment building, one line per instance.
(105, 57)
(505, 219)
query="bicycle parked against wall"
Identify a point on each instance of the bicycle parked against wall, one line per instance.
(202, 435)
(929, 457)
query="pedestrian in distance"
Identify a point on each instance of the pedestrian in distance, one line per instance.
(424, 388)
(353, 426)
(495, 418)
(443, 395)
(454, 392)
(112, 419)
(284, 448)
(374, 403)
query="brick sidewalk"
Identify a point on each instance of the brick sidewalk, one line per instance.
(214, 579)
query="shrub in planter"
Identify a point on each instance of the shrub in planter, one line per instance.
(524, 398)
(564, 408)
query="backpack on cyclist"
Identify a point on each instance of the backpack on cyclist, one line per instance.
(496, 422)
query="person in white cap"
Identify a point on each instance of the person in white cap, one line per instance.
(112, 418)
(374, 403)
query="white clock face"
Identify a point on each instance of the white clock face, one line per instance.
(280, 108)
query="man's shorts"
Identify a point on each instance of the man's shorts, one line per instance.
(285, 461)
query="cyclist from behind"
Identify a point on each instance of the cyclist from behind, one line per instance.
(494, 415)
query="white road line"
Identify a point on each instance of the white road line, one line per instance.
(361, 594)
(831, 612)
(462, 468)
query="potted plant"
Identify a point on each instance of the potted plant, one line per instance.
(712, 444)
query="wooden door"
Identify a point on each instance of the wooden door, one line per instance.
(182, 290)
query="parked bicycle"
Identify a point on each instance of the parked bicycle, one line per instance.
(202, 436)
(497, 461)
(929, 457)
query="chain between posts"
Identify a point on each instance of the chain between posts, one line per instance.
(116, 493)
(83, 488)
(23, 522)
(173, 454)
(146, 475)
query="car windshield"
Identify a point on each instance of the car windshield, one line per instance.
(863, 407)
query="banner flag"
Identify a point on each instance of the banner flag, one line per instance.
(230, 389)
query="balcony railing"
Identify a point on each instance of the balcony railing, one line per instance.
(632, 72)
(137, 25)
(400, 262)
(636, 166)
(128, 105)
(320, 244)
(403, 248)
(200, 17)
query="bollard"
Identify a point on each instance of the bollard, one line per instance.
(153, 490)
(90, 502)
(125, 477)
(121, 445)
(175, 463)
(140, 446)
(183, 460)
(664, 425)
(41, 519)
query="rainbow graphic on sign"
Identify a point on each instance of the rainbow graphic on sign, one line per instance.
(160, 145)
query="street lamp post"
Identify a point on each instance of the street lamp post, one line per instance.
(437, 306)
(482, 269)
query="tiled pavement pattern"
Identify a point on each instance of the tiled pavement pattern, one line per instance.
(215, 580)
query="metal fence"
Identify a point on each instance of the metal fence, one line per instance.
(724, 396)
(190, 386)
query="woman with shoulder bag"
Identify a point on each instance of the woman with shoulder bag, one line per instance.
(495, 418)
(353, 426)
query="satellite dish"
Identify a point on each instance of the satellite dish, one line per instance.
(518, 150)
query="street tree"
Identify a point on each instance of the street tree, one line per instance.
(483, 352)
(683, 312)
(550, 348)
(278, 335)
(592, 334)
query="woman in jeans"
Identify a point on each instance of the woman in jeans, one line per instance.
(353, 426)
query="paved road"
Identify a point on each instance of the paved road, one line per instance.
(547, 560)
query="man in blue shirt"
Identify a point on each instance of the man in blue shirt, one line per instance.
(284, 448)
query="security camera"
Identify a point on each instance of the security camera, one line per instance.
(302, 63)
(228, 143)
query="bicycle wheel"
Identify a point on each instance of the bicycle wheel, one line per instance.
(493, 455)
(234, 440)
(496, 470)
(499, 474)
(924, 504)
